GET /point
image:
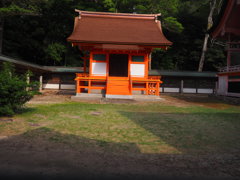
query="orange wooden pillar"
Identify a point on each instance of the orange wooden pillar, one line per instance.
(78, 86)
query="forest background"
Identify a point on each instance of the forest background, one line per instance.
(36, 30)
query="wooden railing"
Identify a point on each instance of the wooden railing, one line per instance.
(151, 85)
(84, 81)
(230, 68)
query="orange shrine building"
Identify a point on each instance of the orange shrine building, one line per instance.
(117, 53)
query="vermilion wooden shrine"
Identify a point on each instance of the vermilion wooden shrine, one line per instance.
(228, 30)
(118, 48)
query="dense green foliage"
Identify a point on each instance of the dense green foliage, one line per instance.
(13, 90)
(42, 39)
(19, 7)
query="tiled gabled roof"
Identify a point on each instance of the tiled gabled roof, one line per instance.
(118, 28)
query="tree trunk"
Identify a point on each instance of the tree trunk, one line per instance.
(204, 50)
(205, 43)
(1, 33)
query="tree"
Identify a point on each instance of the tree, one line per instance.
(167, 8)
(209, 25)
(55, 51)
(42, 38)
(187, 46)
(13, 8)
(13, 90)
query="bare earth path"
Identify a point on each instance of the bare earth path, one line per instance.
(38, 159)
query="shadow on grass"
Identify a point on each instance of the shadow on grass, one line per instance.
(26, 110)
(204, 99)
(46, 154)
(192, 132)
(20, 111)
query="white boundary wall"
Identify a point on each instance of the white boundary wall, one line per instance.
(166, 89)
(68, 86)
(56, 86)
(186, 90)
(189, 90)
(172, 90)
(50, 86)
(205, 91)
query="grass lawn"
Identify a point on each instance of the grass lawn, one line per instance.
(183, 136)
(147, 128)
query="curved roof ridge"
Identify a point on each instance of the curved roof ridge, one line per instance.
(120, 15)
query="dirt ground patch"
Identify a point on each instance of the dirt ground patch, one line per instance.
(178, 100)
(50, 97)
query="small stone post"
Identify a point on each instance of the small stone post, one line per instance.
(181, 87)
(40, 83)
(28, 80)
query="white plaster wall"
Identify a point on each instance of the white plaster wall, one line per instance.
(222, 85)
(68, 86)
(171, 90)
(50, 86)
(189, 90)
(137, 70)
(56, 86)
(99, 69)
(205, 91)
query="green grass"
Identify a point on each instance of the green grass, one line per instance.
(143, 128)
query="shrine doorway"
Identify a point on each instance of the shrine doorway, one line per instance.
(118, 65)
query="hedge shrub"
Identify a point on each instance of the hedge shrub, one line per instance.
(13, 90)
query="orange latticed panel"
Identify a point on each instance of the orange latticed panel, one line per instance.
(152, 88)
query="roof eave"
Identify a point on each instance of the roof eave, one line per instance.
(121, 43)
(218, 31)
